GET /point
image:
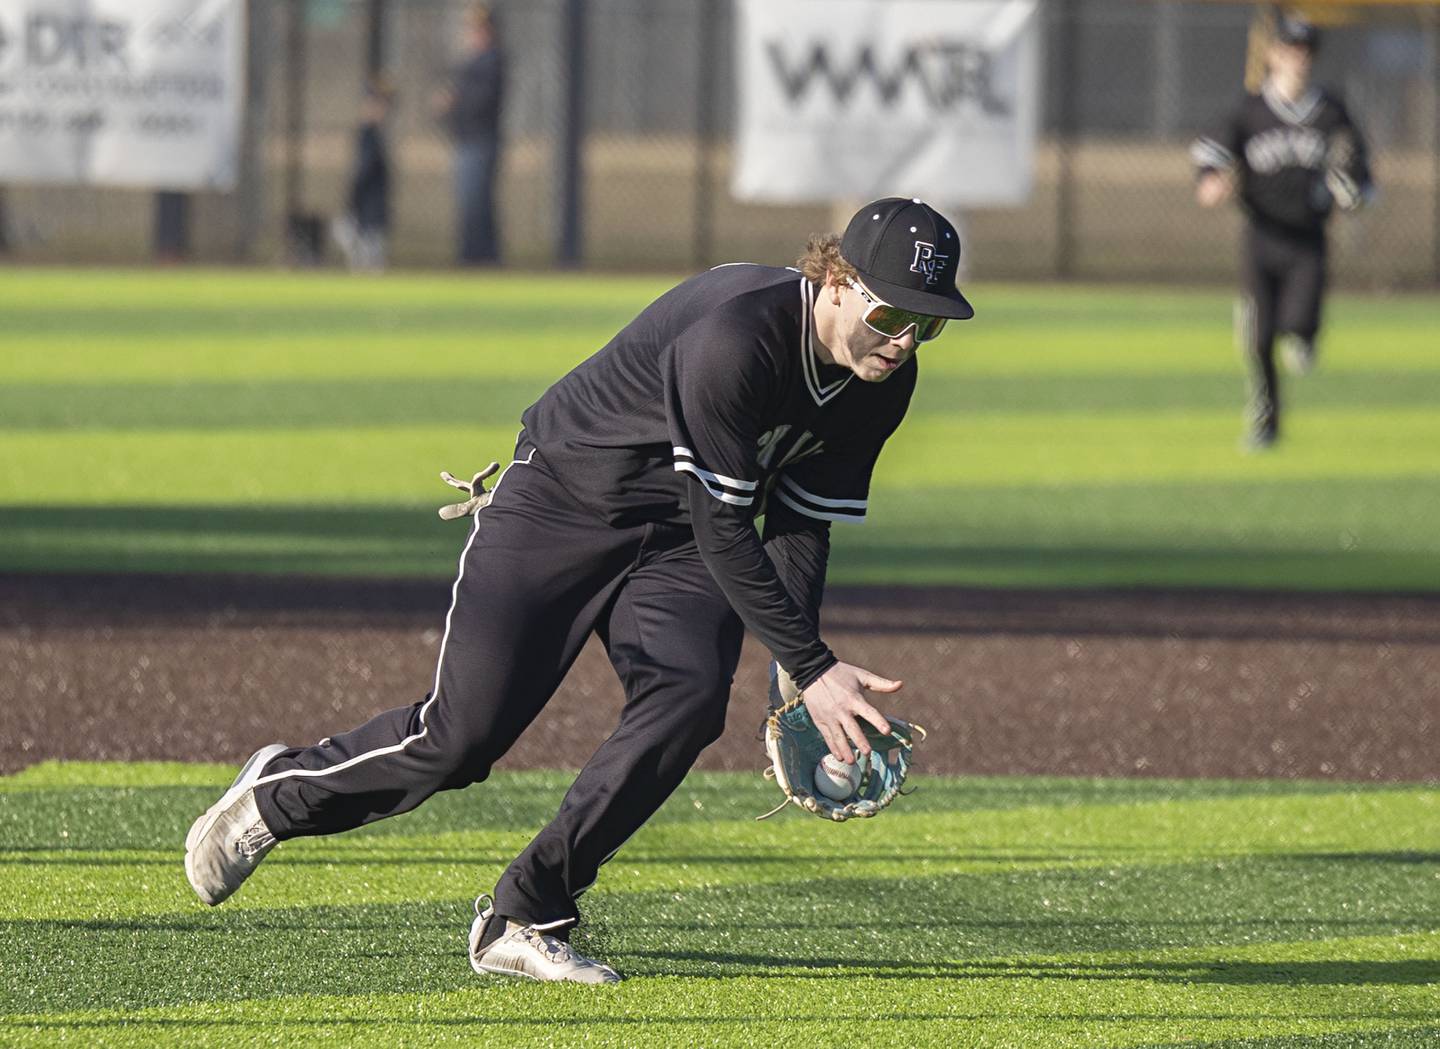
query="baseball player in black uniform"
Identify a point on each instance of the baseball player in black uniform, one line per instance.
(630, 511)
(1293, 153)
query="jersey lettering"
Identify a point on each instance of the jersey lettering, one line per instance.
(769, 444)
(1287, 147)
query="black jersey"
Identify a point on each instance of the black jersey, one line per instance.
(1281, 152)
(711, 408)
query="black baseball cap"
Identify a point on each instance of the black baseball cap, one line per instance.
(906, 252)
(1294, 30)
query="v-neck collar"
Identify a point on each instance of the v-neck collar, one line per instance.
(821, 393)
(1297, 112)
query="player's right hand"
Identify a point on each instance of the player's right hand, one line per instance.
(836, 701)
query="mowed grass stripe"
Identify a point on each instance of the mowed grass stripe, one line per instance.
(388, 464)
(57, 805)
(974, 1009)
(995, 911)
(63, 882)
(1008, 1012)
(1362, 533)
(70, 327)
(501, 400)
(1109, 414)
(943, 831)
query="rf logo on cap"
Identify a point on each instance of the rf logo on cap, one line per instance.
(927, 262)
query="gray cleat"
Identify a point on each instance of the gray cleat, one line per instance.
(526, 950)
(1298, 354)
(227, 843)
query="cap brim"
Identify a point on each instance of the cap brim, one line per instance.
(951, 305)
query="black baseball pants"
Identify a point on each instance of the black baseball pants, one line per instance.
(1283, 287)
(539, 573)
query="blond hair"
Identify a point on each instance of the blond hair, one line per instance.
(1259, 38)
(822, 257)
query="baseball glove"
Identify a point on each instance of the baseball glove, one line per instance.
(795, 746)
(1340, 172)
(473, 488)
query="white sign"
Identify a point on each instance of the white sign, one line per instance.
(142, 93)
(871, 98)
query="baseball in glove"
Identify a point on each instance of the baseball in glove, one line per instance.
(795, 746)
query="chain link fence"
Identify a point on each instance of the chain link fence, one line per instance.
(1126, 84)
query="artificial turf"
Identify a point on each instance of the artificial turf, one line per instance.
(980, 912)
(1068, 436)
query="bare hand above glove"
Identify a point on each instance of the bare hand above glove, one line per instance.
(837, 704)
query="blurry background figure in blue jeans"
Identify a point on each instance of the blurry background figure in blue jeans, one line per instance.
(363, 231)
(470, 108)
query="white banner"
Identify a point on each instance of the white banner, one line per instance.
(871, 98)
(144, 93)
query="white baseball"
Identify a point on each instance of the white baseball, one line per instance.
(836, 779)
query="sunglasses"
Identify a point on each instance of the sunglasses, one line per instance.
(893, 322)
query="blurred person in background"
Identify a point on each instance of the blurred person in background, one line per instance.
(470, 108)
(363, 231)
(1291, 153)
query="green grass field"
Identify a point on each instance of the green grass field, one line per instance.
(983, 912)
(281, 422)
(1073, 436)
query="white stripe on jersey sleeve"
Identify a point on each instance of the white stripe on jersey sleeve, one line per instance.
(728, 482)
(1207, 153)
(810, 497)
(718, 493)
(819, 515)
(726, 489)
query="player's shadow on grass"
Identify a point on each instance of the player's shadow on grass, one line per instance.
(1409, 971)
(946, 923)
(1399, 856)
(1351, 973)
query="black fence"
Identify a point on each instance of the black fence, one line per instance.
(618, 127)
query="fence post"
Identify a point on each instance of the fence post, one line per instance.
(1432, 33)
(249, 195)
(294, 179)
(376, 12)
(705, 97)
(170, 232)
(1169, 68)
(572, 134)
(1066, 70)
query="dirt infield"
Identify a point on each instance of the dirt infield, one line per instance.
(1193, 683)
